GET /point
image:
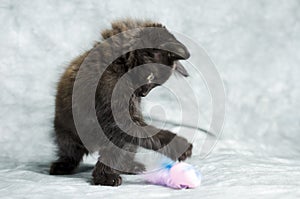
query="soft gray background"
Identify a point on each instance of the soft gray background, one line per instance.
(254, 44)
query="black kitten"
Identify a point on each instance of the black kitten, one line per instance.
(70, 146)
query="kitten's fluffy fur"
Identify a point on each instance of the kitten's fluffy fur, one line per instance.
(71, 148)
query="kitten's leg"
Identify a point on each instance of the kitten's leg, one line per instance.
(105, 172)
(167, 143)
(113, 162)
(69, 153)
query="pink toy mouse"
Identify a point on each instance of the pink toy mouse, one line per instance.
(175, 175)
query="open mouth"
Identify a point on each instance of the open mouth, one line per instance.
(144, 90)
(177, 66)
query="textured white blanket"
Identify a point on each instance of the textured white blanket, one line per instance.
(255, 45)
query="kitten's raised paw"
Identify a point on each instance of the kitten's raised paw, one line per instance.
(106, 179)
(187, 153)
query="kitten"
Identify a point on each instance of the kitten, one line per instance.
(70, 147)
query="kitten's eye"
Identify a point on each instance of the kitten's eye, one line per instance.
(150, 54)
(150, 77)
(171, 56)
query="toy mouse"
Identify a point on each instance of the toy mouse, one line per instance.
(177, 175)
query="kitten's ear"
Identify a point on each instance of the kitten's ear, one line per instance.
(180, 69)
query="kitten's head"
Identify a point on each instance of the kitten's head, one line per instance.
(166, 50)
(161, 61)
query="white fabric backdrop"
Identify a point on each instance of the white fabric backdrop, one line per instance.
(255, 45)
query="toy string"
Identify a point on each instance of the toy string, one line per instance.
(183, 125)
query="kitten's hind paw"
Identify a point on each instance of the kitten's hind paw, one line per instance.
(62, 168)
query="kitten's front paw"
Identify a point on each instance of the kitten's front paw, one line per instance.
(108, 179)
(187, 153)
